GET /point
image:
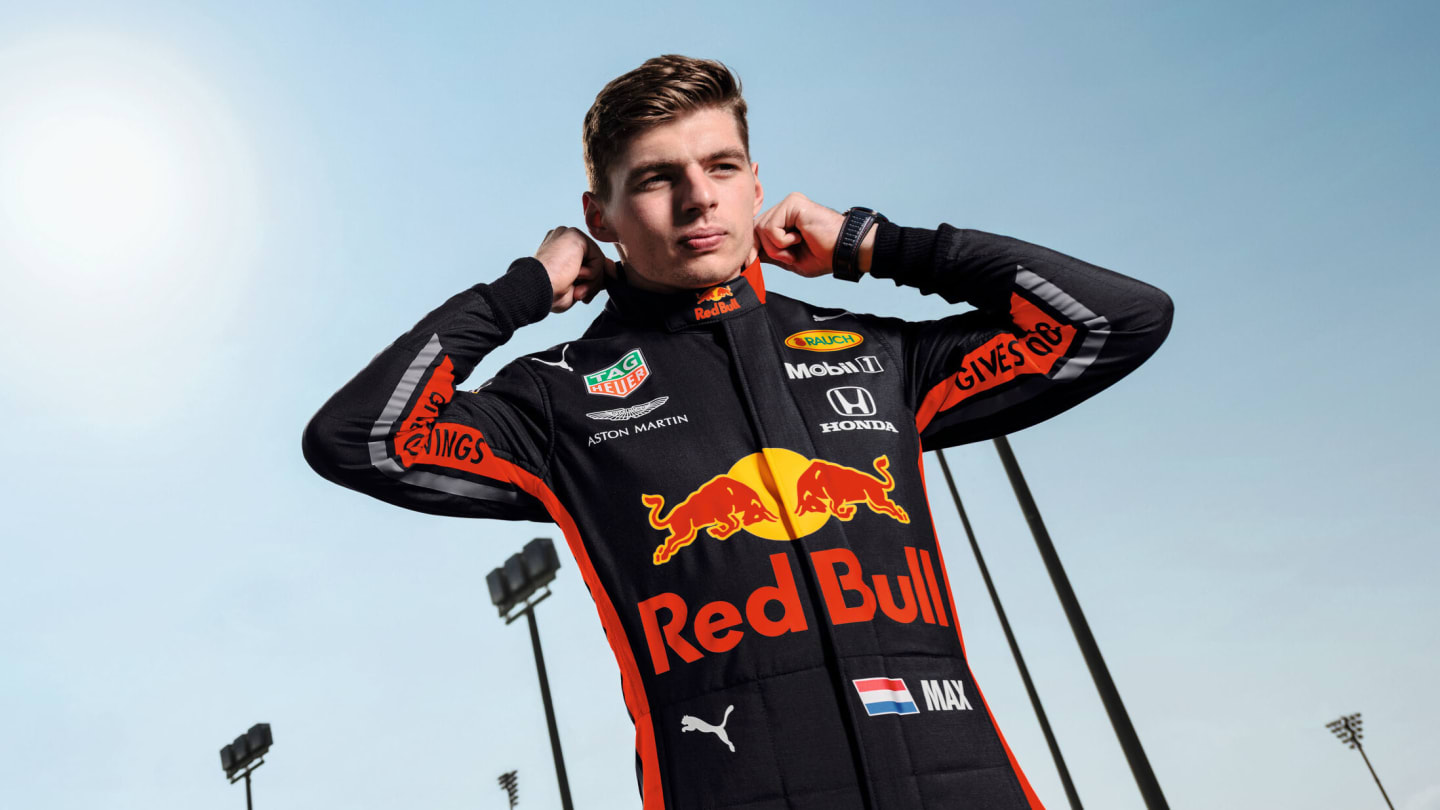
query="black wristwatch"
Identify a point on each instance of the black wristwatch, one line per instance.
(845, 261)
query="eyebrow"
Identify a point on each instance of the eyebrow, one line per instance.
(660, 165)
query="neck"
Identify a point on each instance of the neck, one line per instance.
(640, 282)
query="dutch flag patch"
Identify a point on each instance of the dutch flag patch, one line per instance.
(885, 696)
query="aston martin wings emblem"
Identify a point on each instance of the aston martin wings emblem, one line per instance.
(632, 412)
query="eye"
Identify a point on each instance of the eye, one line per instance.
(653, 179)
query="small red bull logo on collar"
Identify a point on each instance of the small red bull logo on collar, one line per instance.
(775, 494)
(716, 297)
(824, 340)
(621, 378)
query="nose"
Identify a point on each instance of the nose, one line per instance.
(699, 194)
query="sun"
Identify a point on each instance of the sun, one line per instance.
(129, 215)
(93, 191)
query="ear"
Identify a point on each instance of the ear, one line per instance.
(595, 218)
(759, 190)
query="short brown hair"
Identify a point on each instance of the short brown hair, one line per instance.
(659, 91)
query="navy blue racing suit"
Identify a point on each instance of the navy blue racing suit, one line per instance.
(738, 476)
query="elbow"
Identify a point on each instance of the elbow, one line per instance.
(323, 446)
(1162, 315)
(1141, 326)
(1145, 320)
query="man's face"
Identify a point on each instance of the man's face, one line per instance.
(682, 203)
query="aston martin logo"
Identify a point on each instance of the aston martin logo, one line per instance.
(632, 412)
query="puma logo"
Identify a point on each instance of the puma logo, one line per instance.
(559, 363)
(688, 723)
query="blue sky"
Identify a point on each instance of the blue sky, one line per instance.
(1248, 520)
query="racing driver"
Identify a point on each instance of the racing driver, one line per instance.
(738, 474)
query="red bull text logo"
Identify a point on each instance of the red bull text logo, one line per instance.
(824, 340)
(716, 296)
(849, 595)
(775, 494)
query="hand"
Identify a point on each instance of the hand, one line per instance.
(799, 235)
(576, 266)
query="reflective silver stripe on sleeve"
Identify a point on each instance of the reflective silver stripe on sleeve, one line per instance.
(1097, 328)
(401, 395)
(380, 431)
(454, 486)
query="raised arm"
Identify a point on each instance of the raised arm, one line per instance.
(1048, 332)
(400, 432)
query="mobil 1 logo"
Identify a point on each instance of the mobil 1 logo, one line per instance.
(869, 364)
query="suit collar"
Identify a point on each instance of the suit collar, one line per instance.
(688, 308)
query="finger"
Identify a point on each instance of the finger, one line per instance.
(780, 237)
(779, 258)
(788, 213)
(592, 248)
(773, 238)
(590, 267)
(590, 291)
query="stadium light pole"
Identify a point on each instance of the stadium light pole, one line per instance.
(1070, 792)
(510, 781)
(245, 754)
(512, 587)
(1104, 684)
(1347, 729)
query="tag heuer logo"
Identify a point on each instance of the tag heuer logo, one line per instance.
(620, 379)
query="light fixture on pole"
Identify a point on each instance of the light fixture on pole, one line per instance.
(512, 587)
(510, 780)
(1347, 730)
(245, 754)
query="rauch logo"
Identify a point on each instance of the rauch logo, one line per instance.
(823, 340)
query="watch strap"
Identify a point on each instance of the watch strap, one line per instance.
(845, 261)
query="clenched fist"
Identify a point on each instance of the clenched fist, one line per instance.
(799, 235)
(576, 265)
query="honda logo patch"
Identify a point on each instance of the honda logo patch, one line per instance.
(851, 400)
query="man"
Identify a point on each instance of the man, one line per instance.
(738, 474)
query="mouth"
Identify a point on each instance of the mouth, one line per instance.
(702, 241)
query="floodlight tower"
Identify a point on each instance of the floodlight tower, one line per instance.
(511, 588)
(246, 754)
(511, 782)
(1347, 730)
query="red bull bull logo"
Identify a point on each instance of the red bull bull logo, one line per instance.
(714, 294)
(835, 488)
(755, 495)
(722, 507)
